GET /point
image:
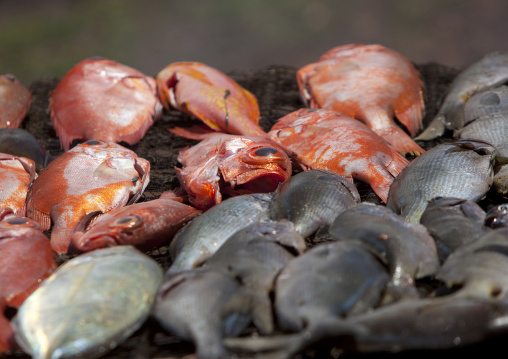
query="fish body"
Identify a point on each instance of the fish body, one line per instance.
(461, 169)
(92, 176)
(231, 165)
(370, 83)
(89, 305)
(15, 101)
(211, 96)
(312, 200)
(100, 99)
(144, 225)
(205, 234)
(17, 174)
(491, 71)
(486, 102)
(21, 143)
(324, 139)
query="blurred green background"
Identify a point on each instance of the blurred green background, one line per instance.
(45, 38)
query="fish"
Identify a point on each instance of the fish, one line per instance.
(211, 96)
(92, 176)
(19, 142)
(203, 305)
(230, 165)
(463, 169)
(497, 216)
(26, 261)
(15, 101)
(490, 71)
(255, 255)
(324, 139)
(17, 175)
(89, 305)
(312, 199)
(486, 102)
(453, 222)
(199, 239)
(370, 83)
(101, 99)
(144, 225)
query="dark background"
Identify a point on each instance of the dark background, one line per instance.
(46, 38)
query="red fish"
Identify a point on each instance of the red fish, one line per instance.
(100, 99)
(15, 101)
(324, 139)
(92, 176)
(16, 174)
(233, 165)
(211, 96)
(145, 225)
(372, 84)
(26, 260)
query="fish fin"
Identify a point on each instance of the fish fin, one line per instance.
(397, 164)
(301, 78)
(194, 132)
(262, 316)
(44, 219)
(61, 239)
(63, 136)
(435, 129)
(400, 140)
(381, 191)
(412, 116)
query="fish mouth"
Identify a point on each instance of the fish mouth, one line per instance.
(261, 182)
(85, 243)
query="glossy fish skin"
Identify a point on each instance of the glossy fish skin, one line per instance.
(370, 83)
(205, 234)
(406, 248)
(17, 174)
(256, 254)
(21, 143)
(461, 169)
(15, 101)
(203, 305)
(324, 139)
(89, 305)
(491, 71)
(453, 222)
(92, 176)
(211, 96)
(497, 216)
(485, 103)
(145, 225)
(312, 199)
(101, 99)
(231, 165)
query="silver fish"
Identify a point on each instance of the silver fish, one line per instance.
(312, 199)
(485, 103)
(201, 237)
(497, 216)
(491, 71)
(462, 169)
(89, 305)
(21, 143)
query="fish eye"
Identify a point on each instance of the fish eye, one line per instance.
(265, 151)
(129, 222)
(490, 98)
(93, 142)
(503, 208)
(25, 222)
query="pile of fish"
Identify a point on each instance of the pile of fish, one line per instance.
(268, 247)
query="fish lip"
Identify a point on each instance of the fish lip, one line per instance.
(84, 243)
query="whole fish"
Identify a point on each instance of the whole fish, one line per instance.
(256, 254)
(312, 200)
(21, 143)
(461, 169)
(92, 176)
(211, 96)
(17, 174)
(203, 305)
(205, 234)
(491, 71)
(145, 225)
(485, 103)
(453, 222)
(89, 305)
(231, 165)
(100, 99)
(370, 83)
(15, 101)
(324, 139)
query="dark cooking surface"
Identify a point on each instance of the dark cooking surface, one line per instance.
(277, 92)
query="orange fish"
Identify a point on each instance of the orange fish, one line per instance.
(324, 139)
(16, 174)
(15, 101)
(26, 260)
(372, 84)
(100, 99)
(211, 96)
(144, 225)
(92, 176)
(233, 165)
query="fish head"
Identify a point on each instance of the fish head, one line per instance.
(497, 216)
(253, 164)
(12, 225)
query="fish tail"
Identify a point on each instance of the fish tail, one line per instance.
(412, 116)
(400, 140)
(435, 129)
